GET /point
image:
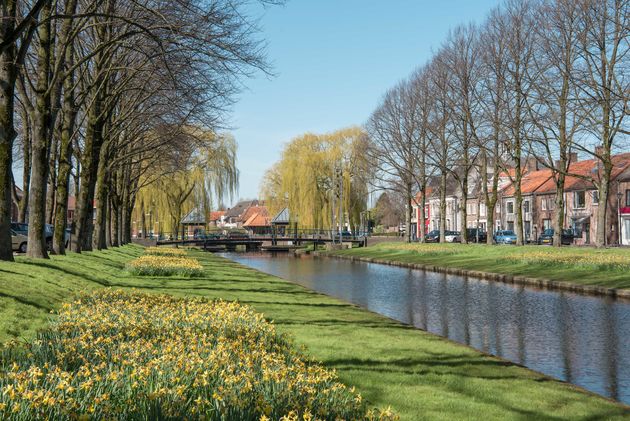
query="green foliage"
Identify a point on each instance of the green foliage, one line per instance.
(304, 177)
(191, 180)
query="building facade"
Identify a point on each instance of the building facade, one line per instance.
(538, 190)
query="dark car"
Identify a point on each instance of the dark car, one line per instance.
(345, 235)
(19, 228)
(432, 237)
(547, 237)
(476, 235)
(237, 235)
(22, 229)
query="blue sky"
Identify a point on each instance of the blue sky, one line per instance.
(333, 61)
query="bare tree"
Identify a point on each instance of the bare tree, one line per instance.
(605, 90)
(394, 131)
(553, 102)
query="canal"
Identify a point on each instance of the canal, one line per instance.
(584, 340)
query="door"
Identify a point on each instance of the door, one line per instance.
(625, 239)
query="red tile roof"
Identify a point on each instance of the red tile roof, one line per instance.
(587, 169)
(542, 181)
(530, 182)
(258, 220)
(252, 210)
(216, 215)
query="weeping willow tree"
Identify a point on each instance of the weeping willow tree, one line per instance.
(317, 172)
(188, 180)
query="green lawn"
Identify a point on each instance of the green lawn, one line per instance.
(420, 375)
(608, 268)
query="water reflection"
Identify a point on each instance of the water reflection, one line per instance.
(581, 339)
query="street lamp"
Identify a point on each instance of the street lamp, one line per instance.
(620, 240)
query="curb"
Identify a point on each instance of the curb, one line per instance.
(497, 277)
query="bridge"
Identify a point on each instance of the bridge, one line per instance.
(258, 242)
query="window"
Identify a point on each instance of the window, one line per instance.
(471, 209)
(510, 226)
(627, 198)
(579, 199)
(543, 203)
(546, 224)
(510, 207)
(482, 209)
(595, 197)
(526, 206)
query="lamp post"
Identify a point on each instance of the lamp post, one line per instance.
(619, 233)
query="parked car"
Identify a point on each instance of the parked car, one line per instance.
(22, 229)
(19, 228)
(547, 237)
(432, 236)
(18, 242)
(452, 236)
(345, 235)
(476, 235)
(237, 235)
(504, 237)
(449, 236)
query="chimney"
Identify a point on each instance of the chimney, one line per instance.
(531, 164)
(573, 157)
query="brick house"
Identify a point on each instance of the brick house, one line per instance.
(538, 189)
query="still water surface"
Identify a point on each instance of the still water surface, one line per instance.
(581, 339)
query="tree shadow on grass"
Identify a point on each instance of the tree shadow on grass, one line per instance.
(45, 264)
(435, 370)
(26, 302)
(339, 323)
(26, 275)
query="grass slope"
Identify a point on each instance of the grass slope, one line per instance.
(502, 259)
(420, 375)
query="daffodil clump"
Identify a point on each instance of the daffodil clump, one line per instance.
(574, 258)
(150, 265)
(132, 356)
(165, 251)
(426, 249)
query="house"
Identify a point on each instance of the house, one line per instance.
(259, 221)
(538, 190)
(216, 219)
(233, 217)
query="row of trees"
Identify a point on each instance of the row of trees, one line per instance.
(539, 78)
(322, 179)
(107, 97)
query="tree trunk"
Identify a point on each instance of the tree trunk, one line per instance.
(558, 223)
(443, 206)
(40, 149)
(26, 166)
(603, 188)
(101, 202)
(52, 184)
(65, 161)
(7, 130)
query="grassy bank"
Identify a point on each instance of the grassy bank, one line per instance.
(609, 268)
(420, 375)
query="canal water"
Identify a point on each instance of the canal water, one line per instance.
(584, 340)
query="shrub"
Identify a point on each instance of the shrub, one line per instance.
(150, 265)
(115, 355)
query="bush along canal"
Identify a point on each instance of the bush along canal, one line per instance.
(577, 338)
